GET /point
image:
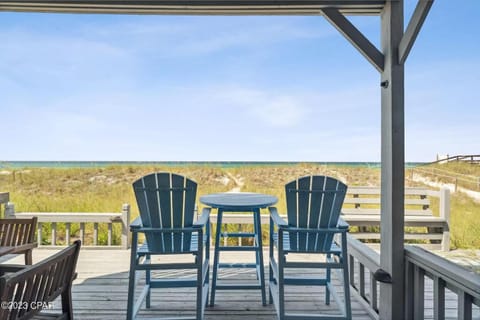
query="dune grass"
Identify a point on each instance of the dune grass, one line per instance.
(106, 189)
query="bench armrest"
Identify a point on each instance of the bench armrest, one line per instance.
(275, 217)
(342, 224)
(204, 218)
(24, 247)
(136, 224)
(10, 268)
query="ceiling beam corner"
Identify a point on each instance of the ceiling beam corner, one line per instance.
(355, 37)
(413, 28)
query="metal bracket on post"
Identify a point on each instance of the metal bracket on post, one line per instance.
(382, 276)
(384, 84)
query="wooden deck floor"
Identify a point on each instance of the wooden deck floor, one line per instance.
(100, 292)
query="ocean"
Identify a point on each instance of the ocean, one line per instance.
(218, 164)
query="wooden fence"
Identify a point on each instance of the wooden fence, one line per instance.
(80, 218)
(470, 158)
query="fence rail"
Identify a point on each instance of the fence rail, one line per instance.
(468, 181)
(471, 158)
(81, 218)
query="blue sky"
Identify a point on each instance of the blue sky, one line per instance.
(159, 88)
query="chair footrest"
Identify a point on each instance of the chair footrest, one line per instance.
(237, 265)
(239, 248)
(239, 234)
(237, 286)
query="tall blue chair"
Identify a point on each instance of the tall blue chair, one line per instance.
(167, 204)
(313, 211)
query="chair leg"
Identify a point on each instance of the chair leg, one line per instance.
(346, 284)
(67, 308)
(147, 281)
(270, 278)
(328, 278)
(131, 277)
(207, 258)
(216, 255)
(271, 258)
(258, 235)
(28, 257)
(199, 263)
(280, 284)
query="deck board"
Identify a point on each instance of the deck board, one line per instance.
(100, 291)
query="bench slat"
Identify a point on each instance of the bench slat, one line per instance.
(408, 201)
(408, 236)
(362, 211)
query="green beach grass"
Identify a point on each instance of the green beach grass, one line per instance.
(106, 189)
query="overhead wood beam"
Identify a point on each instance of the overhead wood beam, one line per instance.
(413, 28)
(196, 7)
(358, 40)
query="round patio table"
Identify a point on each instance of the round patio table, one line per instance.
(239, 202)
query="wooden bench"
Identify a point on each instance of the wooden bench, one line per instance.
(19, 234)
(26, 290)
(362, 209)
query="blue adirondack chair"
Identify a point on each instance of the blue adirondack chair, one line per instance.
(313, 211)
(167, 204)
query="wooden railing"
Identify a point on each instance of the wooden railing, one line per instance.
(421, 264)
(363, 262)
(81, 218)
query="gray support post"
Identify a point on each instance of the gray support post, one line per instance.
(392, 296)
(9, 210)
(444, 208)
(125, 224)
(5, 198)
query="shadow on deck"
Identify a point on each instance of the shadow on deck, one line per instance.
(100, 292)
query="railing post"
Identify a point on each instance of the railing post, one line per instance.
(438, 298)
(125, 225)
(409, 290)
(444, 208)
(5, 197)
(418, 293)
(9, 210)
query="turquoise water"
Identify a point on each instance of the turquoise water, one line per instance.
(219, 164)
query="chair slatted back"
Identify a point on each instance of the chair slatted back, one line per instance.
(15, 232)
(166, 201)
(313, 202)
(32, 288)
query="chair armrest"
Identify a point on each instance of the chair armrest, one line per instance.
(24, 247)
(275, 217)
(10, 268)
(203, 218)
(342, 224)
(136, 224)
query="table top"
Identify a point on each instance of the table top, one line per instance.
(238, 200)
(5, 250)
